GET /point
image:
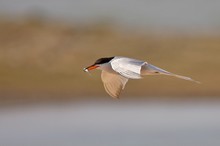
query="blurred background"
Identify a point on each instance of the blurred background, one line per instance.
(47, 99)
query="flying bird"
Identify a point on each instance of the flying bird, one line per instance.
(117, 70)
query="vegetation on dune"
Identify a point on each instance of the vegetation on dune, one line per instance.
(47, 58)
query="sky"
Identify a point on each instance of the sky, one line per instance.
(187, 15)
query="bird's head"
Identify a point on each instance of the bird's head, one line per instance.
(98, 63)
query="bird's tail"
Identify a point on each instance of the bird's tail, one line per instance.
(150, 69)
(184, 78)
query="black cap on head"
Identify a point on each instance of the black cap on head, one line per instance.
(103, 60)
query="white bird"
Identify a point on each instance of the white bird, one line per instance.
(117, 70)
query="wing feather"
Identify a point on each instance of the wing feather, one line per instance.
(113, 83)
(127, 67)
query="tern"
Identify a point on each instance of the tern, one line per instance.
(117, 70)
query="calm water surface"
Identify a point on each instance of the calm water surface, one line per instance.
(111, 123)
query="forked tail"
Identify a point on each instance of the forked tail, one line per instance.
(184, 78)
(150, 69)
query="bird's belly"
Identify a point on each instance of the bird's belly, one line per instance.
(109, 69)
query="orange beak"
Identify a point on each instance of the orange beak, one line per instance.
(90, 68)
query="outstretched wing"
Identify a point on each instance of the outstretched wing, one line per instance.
(113, 83)
(127, 67)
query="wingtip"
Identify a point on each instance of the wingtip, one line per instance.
(115, 96)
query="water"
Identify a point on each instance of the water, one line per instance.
(110, 123)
